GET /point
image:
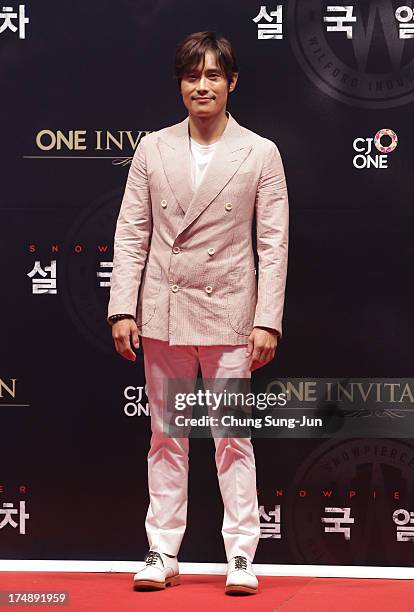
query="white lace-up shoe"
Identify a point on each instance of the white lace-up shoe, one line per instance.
(159, 572)
(240, 576)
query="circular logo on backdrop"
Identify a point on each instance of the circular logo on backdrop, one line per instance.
(387, 148)
(374, 469)
(87, 267)
(362, 60)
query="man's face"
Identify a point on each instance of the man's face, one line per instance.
(205, 90)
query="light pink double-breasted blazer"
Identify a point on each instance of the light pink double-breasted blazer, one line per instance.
(183, 262)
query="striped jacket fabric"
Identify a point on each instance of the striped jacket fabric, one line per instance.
(184, 262)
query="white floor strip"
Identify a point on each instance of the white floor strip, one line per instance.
(322, 571)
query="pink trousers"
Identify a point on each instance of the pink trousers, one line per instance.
(168, 457)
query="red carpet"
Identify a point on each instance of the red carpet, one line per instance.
(113, 592)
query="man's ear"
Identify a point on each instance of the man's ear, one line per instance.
(232, 84)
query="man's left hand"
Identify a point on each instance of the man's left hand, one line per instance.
(261, 347)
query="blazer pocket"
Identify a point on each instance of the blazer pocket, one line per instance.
(244, 177)
(242, 299)
(148, 294)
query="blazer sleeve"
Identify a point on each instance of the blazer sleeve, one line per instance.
(272, 227)
(132, 238)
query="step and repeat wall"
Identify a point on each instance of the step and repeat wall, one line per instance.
(333, 86)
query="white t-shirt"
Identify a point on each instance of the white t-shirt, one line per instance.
(201, 155)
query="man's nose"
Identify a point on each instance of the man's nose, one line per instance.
(202, 83)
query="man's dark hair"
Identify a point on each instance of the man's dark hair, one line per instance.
(190, 52)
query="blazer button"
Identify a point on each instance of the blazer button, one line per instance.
(176, 249)
(174, 288)
(209, 289)
(211, 251)
(228, 206)
(164, 203)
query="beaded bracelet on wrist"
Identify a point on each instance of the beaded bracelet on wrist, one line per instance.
(119, 317)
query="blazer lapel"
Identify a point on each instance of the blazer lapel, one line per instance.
(174, 146)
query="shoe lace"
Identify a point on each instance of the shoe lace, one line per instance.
(152, 557)
(240, 562)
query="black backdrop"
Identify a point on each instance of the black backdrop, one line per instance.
(68, 450)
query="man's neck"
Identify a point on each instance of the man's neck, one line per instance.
(206, 130)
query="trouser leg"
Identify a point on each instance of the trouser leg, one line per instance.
(167, 457)
(235, 460)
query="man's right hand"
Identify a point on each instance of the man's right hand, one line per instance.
(121, 333)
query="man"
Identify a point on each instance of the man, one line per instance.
(184, 280)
